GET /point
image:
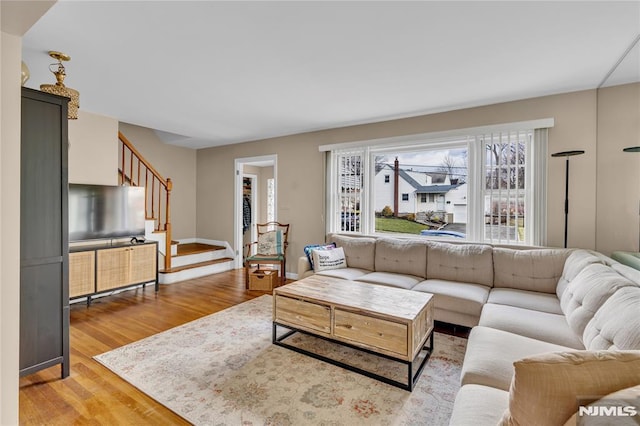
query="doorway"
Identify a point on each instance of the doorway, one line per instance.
(255, 199)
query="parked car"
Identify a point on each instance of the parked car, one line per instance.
(442, 233)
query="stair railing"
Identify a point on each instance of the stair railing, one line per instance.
(135, 170)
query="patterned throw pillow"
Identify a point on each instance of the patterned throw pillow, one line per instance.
(270, 243)
(329, 259)
(308, 249)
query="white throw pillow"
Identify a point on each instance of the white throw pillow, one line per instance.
(329, 259)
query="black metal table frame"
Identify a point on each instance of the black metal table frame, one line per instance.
(412, 379)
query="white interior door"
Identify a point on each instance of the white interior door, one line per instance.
(242, 165)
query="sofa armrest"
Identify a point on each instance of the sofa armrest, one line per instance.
(304, 267)
(627, 258)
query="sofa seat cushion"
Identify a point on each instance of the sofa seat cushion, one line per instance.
(457, 318)
(390, 279)
(552, 328)
(470, 263)
(533, 300)
(478, 405)
(344, 273)
(490, 355)
(466, 298)
(534, 270)
(616, 325)
(401, 256)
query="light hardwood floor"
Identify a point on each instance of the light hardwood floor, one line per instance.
(92, 394)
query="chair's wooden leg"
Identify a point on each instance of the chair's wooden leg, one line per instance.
(246, 275)
(283, 271)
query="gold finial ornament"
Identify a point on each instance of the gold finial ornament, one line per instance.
(25, 74)
(59, 88)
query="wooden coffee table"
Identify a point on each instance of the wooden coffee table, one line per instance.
(388, 322)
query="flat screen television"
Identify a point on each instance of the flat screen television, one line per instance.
(104, 212)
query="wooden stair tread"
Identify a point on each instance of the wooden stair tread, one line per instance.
(195, 265)
(194, 248)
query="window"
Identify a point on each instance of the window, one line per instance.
(488, 185)
(504, 185)
(430, 173)
(348, 197)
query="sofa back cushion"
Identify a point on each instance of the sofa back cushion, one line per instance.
(576, 262)
(359, 251)
(587, 292)
(471, 263)
(533, 270)
(401, 256)
(616, 325)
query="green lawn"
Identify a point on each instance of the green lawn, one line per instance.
(384, 224)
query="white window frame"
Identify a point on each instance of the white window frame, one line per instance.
(536, 164)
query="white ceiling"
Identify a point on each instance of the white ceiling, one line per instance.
(209, 73)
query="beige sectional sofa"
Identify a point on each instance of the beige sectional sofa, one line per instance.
(549, 325)
(463, 277)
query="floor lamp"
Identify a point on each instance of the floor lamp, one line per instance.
(566, 154)
(635, 149)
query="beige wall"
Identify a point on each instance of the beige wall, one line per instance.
(301, 170)
(93, 149)
(176, 163)
(618, 172)
(299, 188)
(9, 226)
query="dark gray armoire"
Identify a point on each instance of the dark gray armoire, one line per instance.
(44, 270)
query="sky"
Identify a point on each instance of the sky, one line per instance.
(428, 160)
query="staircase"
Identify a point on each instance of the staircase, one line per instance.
(176, 261)
(193, 260)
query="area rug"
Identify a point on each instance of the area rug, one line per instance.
(223, 370)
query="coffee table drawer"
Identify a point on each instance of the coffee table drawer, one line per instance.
(303, 314)
(376, 332)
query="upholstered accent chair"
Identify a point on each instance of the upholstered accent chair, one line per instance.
(270, 249)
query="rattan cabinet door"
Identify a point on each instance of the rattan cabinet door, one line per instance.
(142, 263)
(113, 268)
(82, 277)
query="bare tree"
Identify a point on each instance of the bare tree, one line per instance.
(449, 166)
(506, 168)
(380, 161)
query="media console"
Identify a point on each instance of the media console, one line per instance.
(100, 269)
